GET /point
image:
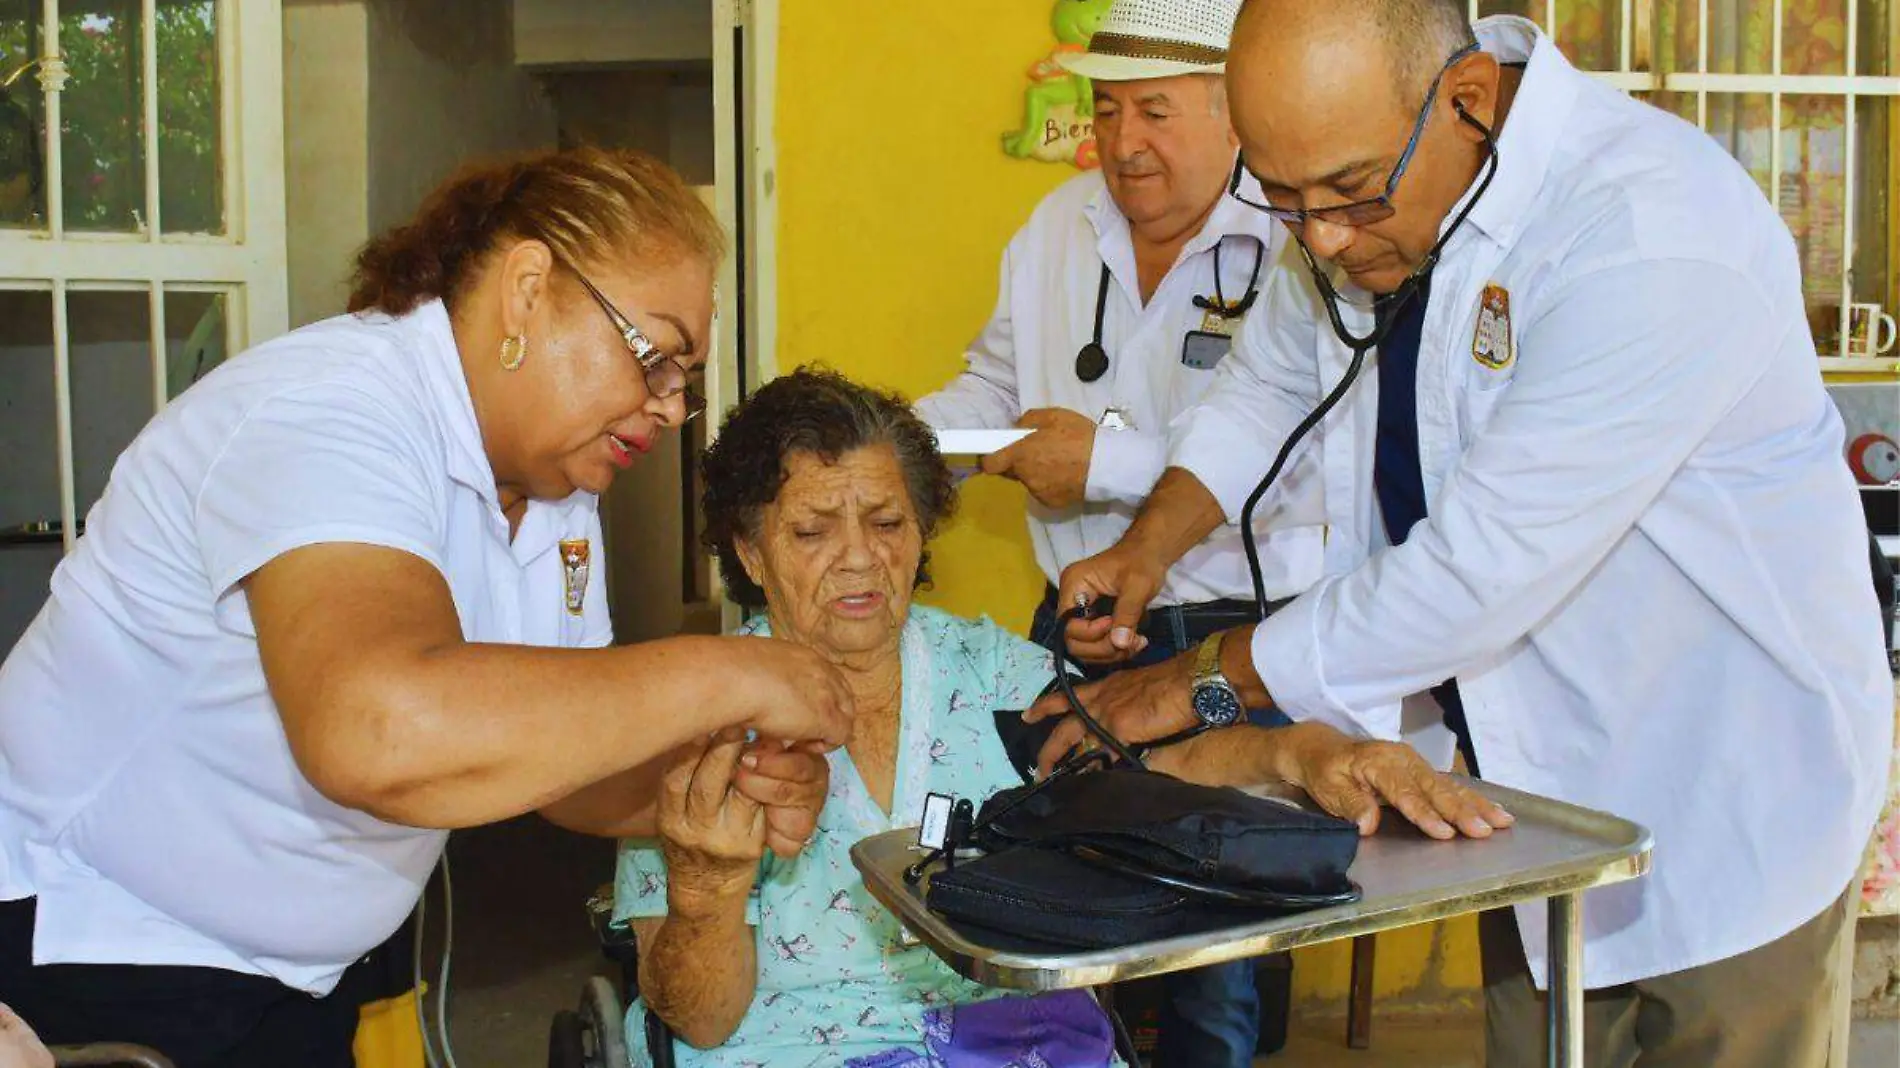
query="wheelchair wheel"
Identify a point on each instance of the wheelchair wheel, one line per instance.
(567, 1042)
(604, 1017)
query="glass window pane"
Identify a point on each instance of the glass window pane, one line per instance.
(195, 337)
(1681, 105)
(1537, 11)
(1741, 37)
(190, 155)
(1590, 33)
(26, 574)
(1741, 124)
(1814, 203)
(29, 479)
(1814, 37)
(102, 115)
(1874, 48)
(1673, 29)
(22, 117)
(109, 337)
(1875, 237)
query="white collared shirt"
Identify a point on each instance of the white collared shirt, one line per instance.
(148, 796)
(1026, 358)
(1644, 562)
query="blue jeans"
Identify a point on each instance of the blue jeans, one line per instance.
(1212, 1015)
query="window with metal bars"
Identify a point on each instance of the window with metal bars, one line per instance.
(141, 239)
(1799, 92)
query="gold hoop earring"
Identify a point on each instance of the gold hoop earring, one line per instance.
(513, 351)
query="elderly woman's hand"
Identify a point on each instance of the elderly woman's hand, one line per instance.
(19, 1046)
(712, 834)
(1350, 778)
(791, 782)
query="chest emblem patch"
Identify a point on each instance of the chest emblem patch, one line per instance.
(1491, 340)
(575, 563)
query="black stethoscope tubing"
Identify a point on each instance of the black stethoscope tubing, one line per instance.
(1382, 328)
(1091, 361)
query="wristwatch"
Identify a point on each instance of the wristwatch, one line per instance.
(1215, 700)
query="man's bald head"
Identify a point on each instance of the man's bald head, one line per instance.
(1327, 95)
(1415, 36)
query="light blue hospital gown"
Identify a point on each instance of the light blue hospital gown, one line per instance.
(836, 977)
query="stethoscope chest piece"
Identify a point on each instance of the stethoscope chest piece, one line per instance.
(1091, 363)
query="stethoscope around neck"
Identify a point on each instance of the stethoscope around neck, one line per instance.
(1091, 361)
(1391, 308)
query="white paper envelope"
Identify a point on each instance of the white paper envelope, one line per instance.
(977, 442)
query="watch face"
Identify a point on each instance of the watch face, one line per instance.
(1217, 705)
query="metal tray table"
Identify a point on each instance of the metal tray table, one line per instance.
(1554, 851)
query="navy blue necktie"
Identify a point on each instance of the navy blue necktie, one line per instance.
(1396, 474)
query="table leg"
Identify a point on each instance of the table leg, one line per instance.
(1565, 996)
(1359, 1001)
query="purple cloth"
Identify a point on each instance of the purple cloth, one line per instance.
(1064, 1029)
(892, 1058)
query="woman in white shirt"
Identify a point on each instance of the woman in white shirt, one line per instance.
(344, 595)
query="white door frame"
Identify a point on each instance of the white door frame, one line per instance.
(745, 161)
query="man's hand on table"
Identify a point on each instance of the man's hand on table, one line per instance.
(1351, 778)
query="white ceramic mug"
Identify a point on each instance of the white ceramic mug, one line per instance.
(1870, 331)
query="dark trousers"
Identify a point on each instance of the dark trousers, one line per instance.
(1211, 1018)
(198, 1017)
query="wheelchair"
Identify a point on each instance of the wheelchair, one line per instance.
(592, 1034)
(108, 1055)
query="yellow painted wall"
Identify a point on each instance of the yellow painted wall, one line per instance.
(895, 202)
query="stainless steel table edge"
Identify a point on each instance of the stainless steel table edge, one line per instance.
(1012, 971)
(1562, 884)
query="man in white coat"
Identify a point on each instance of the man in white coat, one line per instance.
(1588, 494)
(1118, 302)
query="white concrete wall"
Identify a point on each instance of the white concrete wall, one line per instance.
(382, 100)
(326, 152)
(444, 89)
(566, 33)
(666, 113)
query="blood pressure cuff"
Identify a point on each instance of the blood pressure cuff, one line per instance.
(1121, 855)
(1050, 897)
(1160, 825)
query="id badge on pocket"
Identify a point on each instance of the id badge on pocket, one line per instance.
(1202, 349)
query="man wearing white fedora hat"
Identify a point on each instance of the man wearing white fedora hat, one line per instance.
(1119, 298)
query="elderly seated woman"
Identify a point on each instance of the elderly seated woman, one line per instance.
(820, 498)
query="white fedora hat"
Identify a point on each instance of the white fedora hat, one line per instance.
(1157, 39)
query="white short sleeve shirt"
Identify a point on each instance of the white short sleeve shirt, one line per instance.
(148, 797)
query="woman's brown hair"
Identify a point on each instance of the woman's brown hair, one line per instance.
(589, 205)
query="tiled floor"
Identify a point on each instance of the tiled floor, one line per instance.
(1460, 1044)
(523, 948)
